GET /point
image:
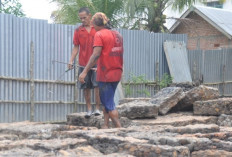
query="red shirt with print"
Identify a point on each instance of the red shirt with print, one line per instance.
(110, 63)
(84, 40)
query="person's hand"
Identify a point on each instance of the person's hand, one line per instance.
(94, 69)
(82, 77)
(70, 65)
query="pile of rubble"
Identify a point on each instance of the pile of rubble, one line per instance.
(159, 126)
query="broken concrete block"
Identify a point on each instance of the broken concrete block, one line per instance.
(191, 129)
(212, 152)
(186, 86)
(200, 93)
(79, 119)
(80, 151)
(167, 98)
(225, 120)
(178, 119)
(213, 107)
(127, 100)
(138, 109)
(141, 150)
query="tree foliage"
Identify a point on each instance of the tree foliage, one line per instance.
(149, 14)
(11, 7)
(67, 12)
(130, 14)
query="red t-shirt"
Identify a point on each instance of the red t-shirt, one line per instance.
(110, 63)
(85, 41)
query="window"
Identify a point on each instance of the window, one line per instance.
(214, 4)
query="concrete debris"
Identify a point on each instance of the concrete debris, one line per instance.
(94, 121)
(167, 98)
(200, 93)
(212, 152)
(138, 109)
(225, 120)
(213, 107)
(127, 100)
(205, 131)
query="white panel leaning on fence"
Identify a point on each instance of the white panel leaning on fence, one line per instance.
(176, 54)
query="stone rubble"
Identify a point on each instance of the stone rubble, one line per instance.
(200, 93)
(214, 107)
(167, 98)
(138, 109)
(204, 131)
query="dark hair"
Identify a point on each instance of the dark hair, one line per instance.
(98, 21)
(84, 9)
(108, 25)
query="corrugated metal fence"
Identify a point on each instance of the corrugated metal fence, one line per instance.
(212, 68)
(32, 87)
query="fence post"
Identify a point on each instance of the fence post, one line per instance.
(157, 77)
(202, 68)
(194, 71)
(32, 86)
(75, 87)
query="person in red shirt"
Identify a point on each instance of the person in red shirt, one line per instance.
(108, 54)
(83, 43)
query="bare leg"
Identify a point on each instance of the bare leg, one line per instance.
(106, 120)
(114, 117)
(87, 98)
(97, 97)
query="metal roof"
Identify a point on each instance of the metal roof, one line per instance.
(219, 18)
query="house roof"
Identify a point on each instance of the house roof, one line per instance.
(219, 18)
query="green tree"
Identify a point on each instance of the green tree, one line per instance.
(67, 12)
(11, 7)
(149, 14)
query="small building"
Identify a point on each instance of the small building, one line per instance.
(207, 28)
(226, 4)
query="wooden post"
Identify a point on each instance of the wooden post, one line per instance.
(32, 86)
(194, 71)
(157, 77)
(75, 87)
(203, 68)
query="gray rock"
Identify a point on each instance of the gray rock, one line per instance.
(200, 93)
(178, 119)
(213, 107)
(79, 151)
(8, 137)
(43, 145)
(138, 109)
(211, 153)
(79, 119)
(225, 120)
(186, 86)
(127, 100)
(167, 98)
(197, 128)
(25, 152)
(31, 130)
(191, 142)
(142, 150)
(222, 145)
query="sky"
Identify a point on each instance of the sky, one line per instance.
(42, 9)
(38, 9)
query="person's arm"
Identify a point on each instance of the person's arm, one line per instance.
(75, 51)
(92, 61)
